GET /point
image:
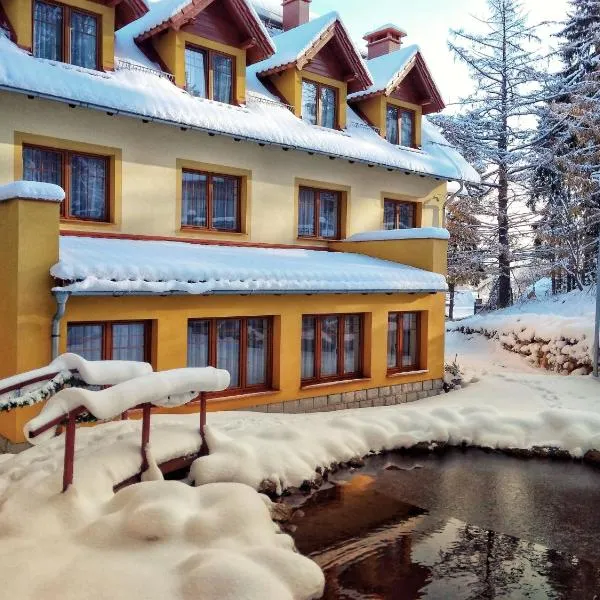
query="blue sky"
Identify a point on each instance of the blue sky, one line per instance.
(427, 23)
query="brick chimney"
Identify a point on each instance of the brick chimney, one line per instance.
(295, 12)
(384, 40)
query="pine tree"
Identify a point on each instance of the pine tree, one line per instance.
(569, 152)
(492, 124)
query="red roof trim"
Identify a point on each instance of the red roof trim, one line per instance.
(240, 11)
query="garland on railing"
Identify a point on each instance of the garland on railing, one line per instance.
(13, 400)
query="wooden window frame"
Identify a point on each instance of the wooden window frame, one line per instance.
(66, 176)
(340, 376)
(209, 75)
(242, 388)
(400, 110)
(107, 335)
(399, 316)
(317, 214)
(66, 34)
(320, 86)
(209, 202)
(397, 204)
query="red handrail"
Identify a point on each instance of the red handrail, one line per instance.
(69, 420)
(22, 384)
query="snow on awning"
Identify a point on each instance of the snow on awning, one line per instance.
(97, 266)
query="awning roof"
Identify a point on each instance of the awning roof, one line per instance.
(97, 266)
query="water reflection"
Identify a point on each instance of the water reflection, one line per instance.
(374, 546)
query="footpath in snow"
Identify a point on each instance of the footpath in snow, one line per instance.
(162, 539)
(553, 332)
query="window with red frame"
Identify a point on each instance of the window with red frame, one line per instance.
(404, 330)
(332, 347)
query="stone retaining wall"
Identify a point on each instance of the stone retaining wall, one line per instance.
(383, 396)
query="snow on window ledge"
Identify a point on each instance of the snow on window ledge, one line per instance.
(393, 375)
(32, 190)
(417, 233)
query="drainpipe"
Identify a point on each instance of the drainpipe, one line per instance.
(61, 305)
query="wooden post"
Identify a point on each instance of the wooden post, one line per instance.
(69, 451)
(204, 446)
(146, 414)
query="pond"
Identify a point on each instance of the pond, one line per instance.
(464, 525)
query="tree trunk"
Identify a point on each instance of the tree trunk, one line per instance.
(451, 292)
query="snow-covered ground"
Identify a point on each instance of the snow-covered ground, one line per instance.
(168, 540)
(555, 332)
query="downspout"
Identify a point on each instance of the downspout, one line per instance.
(61, 305)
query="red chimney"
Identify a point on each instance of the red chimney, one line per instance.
(295, 12)
(384, 40)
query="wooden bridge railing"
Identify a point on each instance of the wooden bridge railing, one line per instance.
(69, 422)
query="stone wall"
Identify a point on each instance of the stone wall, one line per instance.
(383, 396)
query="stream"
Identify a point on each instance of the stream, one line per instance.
(465, 524)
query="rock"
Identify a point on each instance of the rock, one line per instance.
(281, 513)
(356, 463)
(592, 457)
(268, 487)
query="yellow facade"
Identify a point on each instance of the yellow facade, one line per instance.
(19, 13)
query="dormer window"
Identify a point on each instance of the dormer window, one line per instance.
(65, 34)
(400, 126)
(319, 104)
(209, 74)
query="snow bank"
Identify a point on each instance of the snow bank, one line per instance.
(32, 190)
(167, 388)
(554, 332)
(416, 233)
(114, 265)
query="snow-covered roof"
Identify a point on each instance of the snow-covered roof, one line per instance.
(105, 265)
(416, 233)
(387, 69)
(32, 190)
(145, 93)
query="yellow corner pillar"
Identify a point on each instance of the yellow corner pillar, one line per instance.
(29, 238)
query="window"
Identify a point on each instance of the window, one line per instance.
(110, 341)
(65, 34)
(241, 346)
(403, 341)
(210, 201)
(84, 177)
(331, 347)
(400, 126)
(319, 104)
(399, 215)
(209, 74)
(319, 214)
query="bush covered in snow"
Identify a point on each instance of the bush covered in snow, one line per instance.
(554, 333)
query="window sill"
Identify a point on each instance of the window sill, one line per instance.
(86, 222)
(317, 239)
(187, 229)
(407, 373)
(313, 386)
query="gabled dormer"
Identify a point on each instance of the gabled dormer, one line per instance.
(402, 91)
(315, 66)
(78, 32)
(206, 45)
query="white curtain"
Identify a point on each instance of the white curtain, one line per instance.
(195, 72)
(352, 347)
(225, 203)
(328, 101)
(47, 31)
(407, 128)
(329, 346)
(193, 204)
(308, 348)
(330, 204)
(306, 213)
(409, 341)
(88, 187)
(198, 343)
(86, 340)
(392, 353)
(223, 78)
(228, 349)
(392, 133)
(84, 32)
(128, 341)
(309, 102)
(257, 351)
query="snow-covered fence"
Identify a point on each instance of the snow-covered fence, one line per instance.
(167, 389)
